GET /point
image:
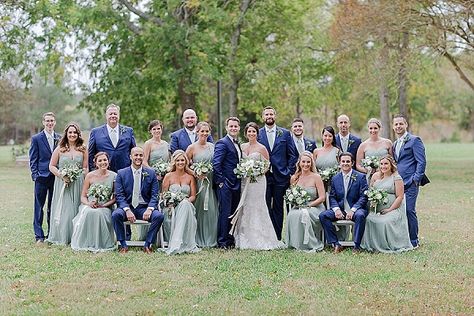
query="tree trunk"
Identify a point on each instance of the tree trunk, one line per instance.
(233, 94)
(384, 93)
(186, 100)
(402, 77)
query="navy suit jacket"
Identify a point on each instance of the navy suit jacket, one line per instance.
(353, 146)
(40, 155)
(284, 155)
(224, 162)
(309, 144)
(119, 156)
(411, 162)
(355, 193)
(124, 187)
(180, 140)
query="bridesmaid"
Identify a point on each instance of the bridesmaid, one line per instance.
(155, 149)
(183, 220)
(327, 156)
(92, 227)
(387, 231)
(206, 200)
(373, 146)
(67, 194)
(303, 230)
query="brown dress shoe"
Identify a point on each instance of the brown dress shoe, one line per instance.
(123, 250)
(147, 250)
(338, 248)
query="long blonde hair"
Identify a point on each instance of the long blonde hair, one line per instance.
(298, 167)
(175, 156)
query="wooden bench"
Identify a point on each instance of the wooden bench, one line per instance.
(350, 225)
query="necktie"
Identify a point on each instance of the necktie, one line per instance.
(398, 147)
(51, 142)
(346, 187)
(113, 137)
(300, 145)
(136, 188)
(271, 138)
(344, 144)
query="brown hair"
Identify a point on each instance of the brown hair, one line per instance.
(269, 108)
(63, 143)
(48, 114)
(393, 164)
(375, 121)
(101, 153)
(232, 118)
(201, 124)
(154, 123)
(251, 124)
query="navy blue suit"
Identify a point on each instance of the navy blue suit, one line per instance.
(40, 156)
(224, 162)
(99, 140)
(180, 140)
(123, 194)
(309, 145)
(356, 199)
(411, 164)
(352, 146)
(283, 160)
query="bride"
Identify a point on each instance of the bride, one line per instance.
(251, 224)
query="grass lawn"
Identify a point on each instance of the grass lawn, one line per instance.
(437, 278)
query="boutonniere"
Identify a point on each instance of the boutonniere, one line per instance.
(353, 177)
(279, 132)
(308, 144)
(406, 138)
(122, 129)
(144, 175)
(350, 142)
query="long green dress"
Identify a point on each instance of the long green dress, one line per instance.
(183, 224)
(387, 233)
(65, 203)
(93, 229)
(160, 152)
(206, 204)
(303, 229)
(372, 152)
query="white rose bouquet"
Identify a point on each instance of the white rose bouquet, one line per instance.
(201, 168)
(100, 192)
(376, 196)
(328, 173)
(371, 161)
(297, 196)
(251, 168)
(70, 173)
(160, 167)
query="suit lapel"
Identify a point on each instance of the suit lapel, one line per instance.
(45, 141)
(264, 139)
(105, 132)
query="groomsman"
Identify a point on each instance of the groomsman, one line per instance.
(283, 158)
(227, 154)
(409, 153)
(114, 139)
(346, 141)
(347, 200)
(136, 192)
(184, 137)
(41, 149)
(301, 143)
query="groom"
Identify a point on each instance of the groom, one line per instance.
(409, 153)
(227, 154)
(347, 201)
(283, 158)
(136, 192)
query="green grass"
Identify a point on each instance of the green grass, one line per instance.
(437, 278)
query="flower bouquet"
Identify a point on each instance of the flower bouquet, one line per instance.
(376, 196)
(160, 167)
(328, 173)
(297, 196)
(251, 168)
(100, 192)
(172, 199)
(371, 161)
(201, 168)
(70, 173)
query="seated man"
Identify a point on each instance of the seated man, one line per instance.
(347, 200)
(136, 193)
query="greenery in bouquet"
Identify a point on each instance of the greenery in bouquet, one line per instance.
(371, 161)
(201, 168)
(70, 172)
(100, 192)
(251, 168)
(160, 167)
(375, 197)
(328, 173)
(172, 199)
(297, 196)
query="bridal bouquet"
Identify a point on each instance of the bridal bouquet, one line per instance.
(371, 161)
(172, 199)
(297, 196)
(201, 168)
(328, 173)
(160, 167)
(100, 192)
(70, 172)
(251, 168)
(376, 196)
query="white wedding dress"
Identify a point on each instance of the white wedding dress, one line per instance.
(252, 226)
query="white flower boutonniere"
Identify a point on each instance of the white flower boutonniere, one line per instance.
(308, 144)
(122, 129)
(350, 142)
(279, 132)
(353, 177)
(144, 175)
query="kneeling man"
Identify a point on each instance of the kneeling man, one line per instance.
(347, 200)
(136, 192)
